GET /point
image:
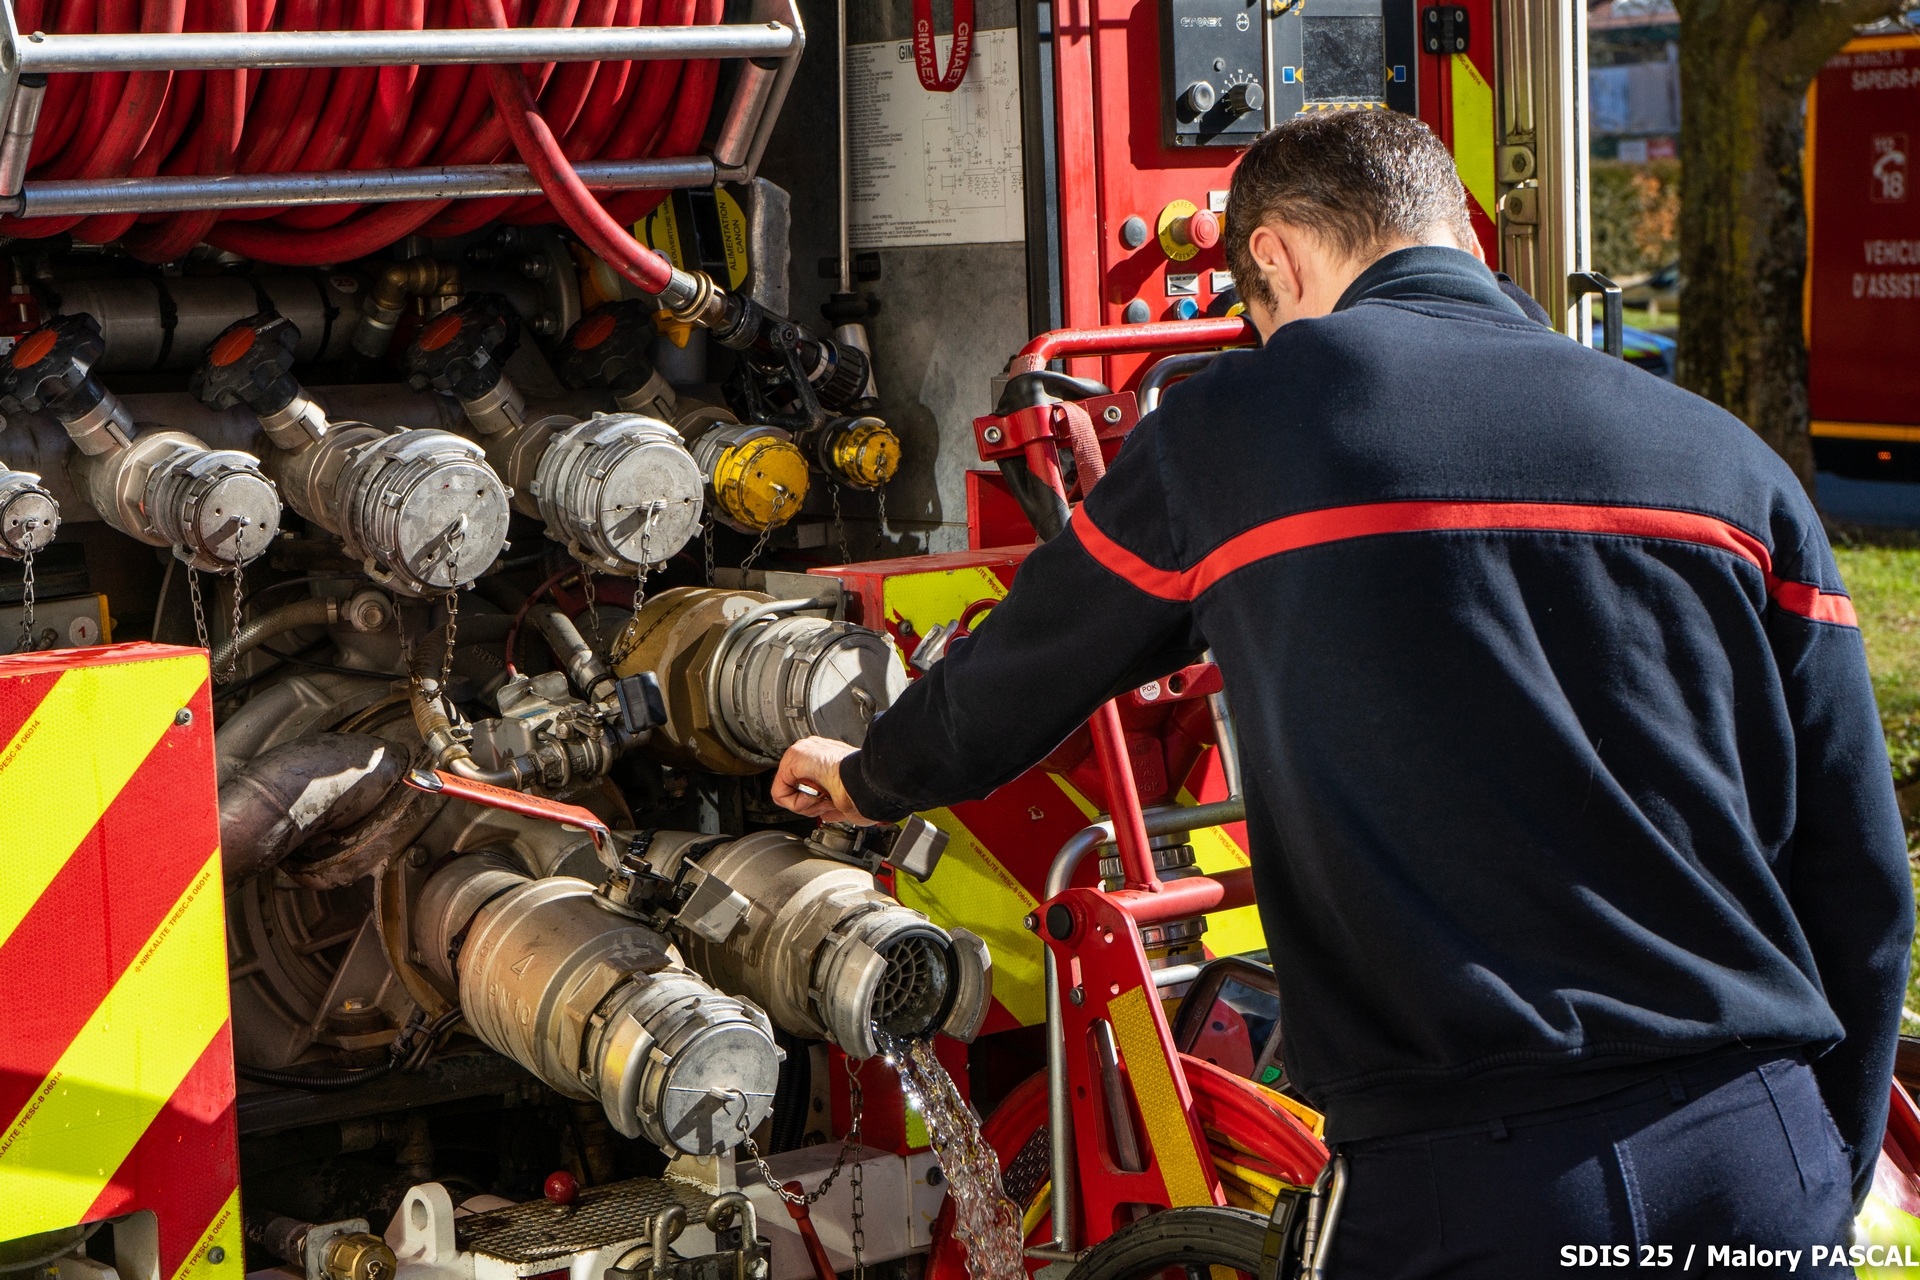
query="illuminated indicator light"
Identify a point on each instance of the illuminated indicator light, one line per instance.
(1289, 75)
(1885, 455)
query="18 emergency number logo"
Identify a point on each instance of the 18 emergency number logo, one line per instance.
(1889, 169)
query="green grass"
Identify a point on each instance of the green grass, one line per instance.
(1667, 322)
(1881, 571)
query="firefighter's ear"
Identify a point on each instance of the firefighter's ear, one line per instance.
(1277, 256)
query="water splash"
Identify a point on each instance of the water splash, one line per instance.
(984, 1220)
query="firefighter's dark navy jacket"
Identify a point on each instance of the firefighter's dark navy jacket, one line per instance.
(1562, 762)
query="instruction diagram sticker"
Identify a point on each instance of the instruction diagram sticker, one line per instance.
(935, 168)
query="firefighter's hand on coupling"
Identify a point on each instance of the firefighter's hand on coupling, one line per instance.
(808, 782)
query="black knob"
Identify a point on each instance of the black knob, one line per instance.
(463, 350)
(50, 369)
(248, 364)
(608, 347)
(1244, 99)
(1199, 98)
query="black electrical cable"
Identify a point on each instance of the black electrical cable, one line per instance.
(316, 1081)
(409, 1052)
(61, 1252)
(249, 597)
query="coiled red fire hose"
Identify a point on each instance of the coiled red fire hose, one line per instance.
(310, 119)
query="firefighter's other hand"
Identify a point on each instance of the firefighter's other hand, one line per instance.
(813, 764)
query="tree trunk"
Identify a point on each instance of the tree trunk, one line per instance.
(1745, 66)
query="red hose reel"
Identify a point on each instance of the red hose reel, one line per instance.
(118, 124)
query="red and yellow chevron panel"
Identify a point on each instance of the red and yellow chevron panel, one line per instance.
(116, 1064)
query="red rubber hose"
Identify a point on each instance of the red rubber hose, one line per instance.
(224, 105)
(56, 108)
(147, 123)
(537, 147)
(382, 125)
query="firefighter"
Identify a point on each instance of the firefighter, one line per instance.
(1568, 807)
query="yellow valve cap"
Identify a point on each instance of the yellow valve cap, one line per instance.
(867, 453)
(761, 483)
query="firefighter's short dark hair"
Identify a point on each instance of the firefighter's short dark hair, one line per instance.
(1359, 179)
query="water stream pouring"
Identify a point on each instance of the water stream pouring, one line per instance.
(985, 1221)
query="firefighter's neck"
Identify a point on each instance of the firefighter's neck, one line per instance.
(1306, 274)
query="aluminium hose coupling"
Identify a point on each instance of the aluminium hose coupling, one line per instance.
(620, 492)
(29, 516)
(595, 1004)
(807, 937)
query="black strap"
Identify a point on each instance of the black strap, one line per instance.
(169, 321)
(328, 312)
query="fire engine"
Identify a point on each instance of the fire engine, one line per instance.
(432, 505)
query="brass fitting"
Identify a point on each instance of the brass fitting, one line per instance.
(359, 1256)
(395, 285)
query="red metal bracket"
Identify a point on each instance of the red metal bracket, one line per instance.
(1004, 437)
(1196, 681)
(1138, 1136)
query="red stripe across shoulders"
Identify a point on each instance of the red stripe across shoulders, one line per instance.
(1335, 524)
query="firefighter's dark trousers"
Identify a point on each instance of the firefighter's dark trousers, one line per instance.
(1722, 1169)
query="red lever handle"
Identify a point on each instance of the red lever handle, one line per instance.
(809, 1235)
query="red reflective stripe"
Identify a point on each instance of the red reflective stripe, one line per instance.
(1810, 601)
(1336, 524)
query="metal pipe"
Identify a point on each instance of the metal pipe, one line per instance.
(236, 50)
(1166, 371)
(1226, 740)
(1160, 335)
(735, 141)
(1175, 974)
(846, 160)
(1336, 1198)
(1161, 822)
(288, 617)
(577, 658)
(23, 116)
(71, 197)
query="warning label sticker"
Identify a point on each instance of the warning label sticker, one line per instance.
(935, 168)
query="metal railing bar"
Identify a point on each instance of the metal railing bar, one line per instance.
(65, 198)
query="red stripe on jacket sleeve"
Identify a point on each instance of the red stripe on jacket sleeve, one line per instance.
(1810, 601)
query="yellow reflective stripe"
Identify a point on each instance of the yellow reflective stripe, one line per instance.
(1473, 132)
(1865, 431)
(64, 1146)
(1138, 1035)
(971, 889)
(223, 1231)
(71, 758)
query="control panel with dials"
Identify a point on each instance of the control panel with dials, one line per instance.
(1213, 86)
